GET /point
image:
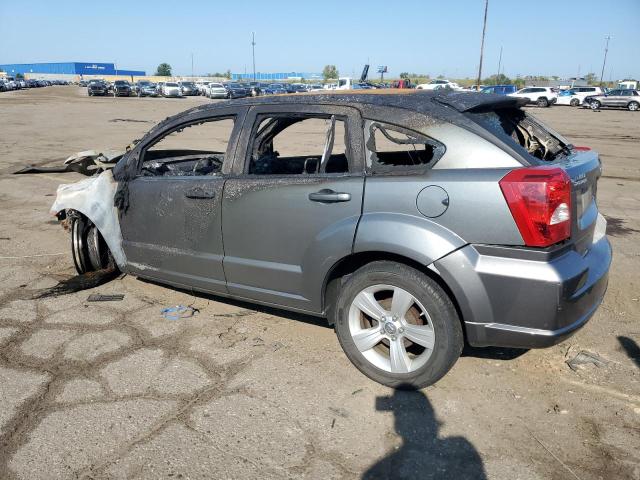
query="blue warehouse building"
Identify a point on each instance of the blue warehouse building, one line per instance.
(68, 68)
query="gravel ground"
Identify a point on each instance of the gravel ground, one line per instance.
(114, 390)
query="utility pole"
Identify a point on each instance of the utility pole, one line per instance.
(606, 49)
(499, 62)
(253, 53)
(191, 65)
(484, 29)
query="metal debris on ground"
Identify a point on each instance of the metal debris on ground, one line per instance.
(98, 297)
(178, 312)
(585, 358)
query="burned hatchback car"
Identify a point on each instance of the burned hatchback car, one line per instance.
(411, 221)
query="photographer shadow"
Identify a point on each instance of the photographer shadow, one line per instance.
(423, 454)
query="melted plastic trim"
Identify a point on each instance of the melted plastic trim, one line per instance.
(93, 197)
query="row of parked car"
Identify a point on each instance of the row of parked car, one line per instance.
(145, 88)
(10, 83)
(585, 96)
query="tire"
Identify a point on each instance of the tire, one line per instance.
(430, 317)
(633, 106)
(595, 105)
(89, 250)
(542, 102)
(90, 94)
(574, 102)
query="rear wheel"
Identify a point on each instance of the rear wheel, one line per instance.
(595, 105)
(397, 325)
(574, 102)
(633, 106)
(89, 250)
(543, 102)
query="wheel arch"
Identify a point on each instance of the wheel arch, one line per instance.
(349, 264)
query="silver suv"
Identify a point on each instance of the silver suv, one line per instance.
(629, 99)
(413, 222)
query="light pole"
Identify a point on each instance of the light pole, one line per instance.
(484, 29)
(191, 65)
(606, 49)
(499, 63)
(253, 53)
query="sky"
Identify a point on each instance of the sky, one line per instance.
(434, 37)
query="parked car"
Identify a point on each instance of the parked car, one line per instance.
(465, 231)
(500, 89)
(628, 99)
(215, 90)
(145, 88)
(274, 89)
(97, 87)
(540, 96)
(188, 88)
(438, 84)
(235, 90)
(171, 89)
(576, 95)
(121, 88)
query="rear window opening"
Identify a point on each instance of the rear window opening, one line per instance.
(391, 148)
(525, 130)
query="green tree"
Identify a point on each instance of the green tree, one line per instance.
(590, 78)
(404, 75)
(163, 70)
(228, 74)
(19, 76)
(329, 72)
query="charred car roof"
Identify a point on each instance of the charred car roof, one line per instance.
(426, 102)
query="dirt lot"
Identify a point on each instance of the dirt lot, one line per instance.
(114, 390)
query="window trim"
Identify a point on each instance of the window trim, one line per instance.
(369, 124)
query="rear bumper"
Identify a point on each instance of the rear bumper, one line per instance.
(510, 299)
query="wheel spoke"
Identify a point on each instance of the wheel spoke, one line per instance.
(401, 302)
(420, 334)
(366, 302)
(367, 339)
(400, 361)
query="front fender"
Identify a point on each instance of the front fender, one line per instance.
(417, 238)
(93, 197)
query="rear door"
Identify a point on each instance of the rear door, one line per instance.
(172, 228)
(291, 210)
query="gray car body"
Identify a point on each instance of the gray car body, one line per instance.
(615, 98)
(260, 238)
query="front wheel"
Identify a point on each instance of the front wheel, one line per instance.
(595, 105)
(543, 102)
(574, 102)
(397, 325)
(89, 250)
(633, 106)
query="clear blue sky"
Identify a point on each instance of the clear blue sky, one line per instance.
(436, 37)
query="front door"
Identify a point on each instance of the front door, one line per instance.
(291, 210)
(172, 228)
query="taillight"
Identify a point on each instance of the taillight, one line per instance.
(540, 201)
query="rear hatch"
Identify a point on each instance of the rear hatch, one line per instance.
(536, 144)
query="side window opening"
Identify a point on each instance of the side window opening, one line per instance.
(194, 149)
(393, 149)
(299, 145)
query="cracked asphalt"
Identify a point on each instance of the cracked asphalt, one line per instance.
(113, 390)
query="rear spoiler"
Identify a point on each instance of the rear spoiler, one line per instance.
(471, 101)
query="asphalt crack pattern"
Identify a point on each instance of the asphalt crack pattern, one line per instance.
(97, 358)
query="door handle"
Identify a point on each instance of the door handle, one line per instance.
(199, 192)
(329, 196)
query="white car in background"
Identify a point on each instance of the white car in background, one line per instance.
(438, 84)
(541, 96)
(202, 86)
(215, 90)
(171, 89)
(575, 96)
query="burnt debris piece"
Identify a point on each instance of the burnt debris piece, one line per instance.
(89, 162)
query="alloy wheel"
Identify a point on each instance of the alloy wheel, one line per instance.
(391, 329)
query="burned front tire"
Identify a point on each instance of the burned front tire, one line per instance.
(397, 325)
(89, 250)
